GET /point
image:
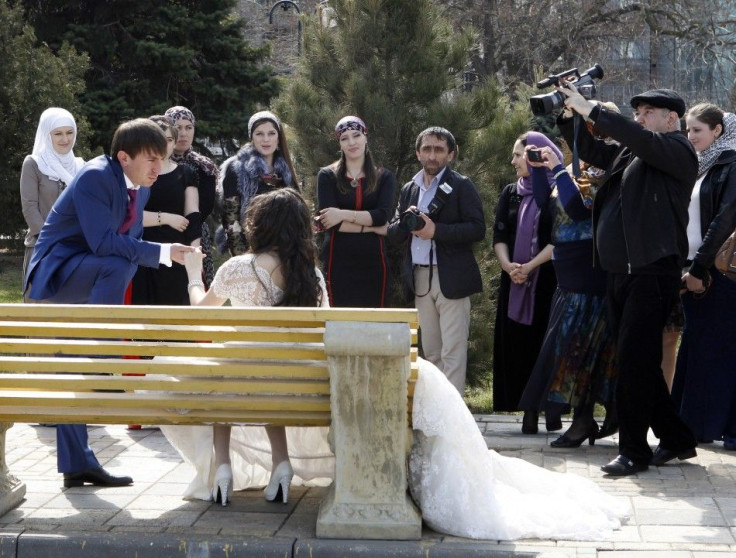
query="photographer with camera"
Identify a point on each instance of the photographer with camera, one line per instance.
(440, 214)
(640, 218)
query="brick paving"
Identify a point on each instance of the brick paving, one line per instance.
(685, 510)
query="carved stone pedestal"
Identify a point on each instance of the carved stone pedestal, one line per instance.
(12, 490)
(369, 369)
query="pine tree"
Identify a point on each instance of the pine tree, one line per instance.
(395, 64)
(399, 65)
(147, 56)
(32, 78)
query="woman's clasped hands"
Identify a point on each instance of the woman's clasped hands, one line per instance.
(519, 273)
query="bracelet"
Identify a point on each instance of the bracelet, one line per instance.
(361, 228)
(195, 283)
(159, 218)
(559, 173)
(355, 216)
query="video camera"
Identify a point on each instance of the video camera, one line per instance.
(545, 104)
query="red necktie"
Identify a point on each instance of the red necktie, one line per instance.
(130, 212)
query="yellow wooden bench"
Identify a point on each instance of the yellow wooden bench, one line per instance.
(94, 364)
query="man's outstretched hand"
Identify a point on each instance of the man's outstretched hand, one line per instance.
(178, 251)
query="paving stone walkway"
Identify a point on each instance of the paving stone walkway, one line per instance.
(685, 510)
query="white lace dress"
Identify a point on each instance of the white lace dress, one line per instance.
(462, 488)
(244, 283)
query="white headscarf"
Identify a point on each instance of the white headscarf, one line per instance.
(53, 164)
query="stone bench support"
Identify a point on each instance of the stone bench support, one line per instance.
(369, 368)
(12, 490)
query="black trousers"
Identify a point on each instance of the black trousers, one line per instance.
(639, 306)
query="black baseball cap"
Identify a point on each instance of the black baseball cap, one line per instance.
(661, 98)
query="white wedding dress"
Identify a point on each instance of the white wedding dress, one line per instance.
(461, 487)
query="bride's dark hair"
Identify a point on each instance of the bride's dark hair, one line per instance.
(280, 221)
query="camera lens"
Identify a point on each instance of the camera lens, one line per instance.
(545, 104)
(411, 221)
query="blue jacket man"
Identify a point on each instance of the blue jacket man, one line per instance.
(88, 251)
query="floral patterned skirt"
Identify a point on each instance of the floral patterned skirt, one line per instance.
(576, 363)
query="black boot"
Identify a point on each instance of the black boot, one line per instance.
(530, 424)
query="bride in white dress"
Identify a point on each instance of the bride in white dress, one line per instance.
(462, 488)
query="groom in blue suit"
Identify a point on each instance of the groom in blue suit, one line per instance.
(88, 251)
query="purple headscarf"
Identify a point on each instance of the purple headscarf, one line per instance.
(526, 245)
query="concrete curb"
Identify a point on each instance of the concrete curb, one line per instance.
(145, 545)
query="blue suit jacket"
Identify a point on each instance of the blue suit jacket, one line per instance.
(85, 221)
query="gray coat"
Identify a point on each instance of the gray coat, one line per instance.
(37, 196)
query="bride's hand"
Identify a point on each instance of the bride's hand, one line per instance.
(193, 263)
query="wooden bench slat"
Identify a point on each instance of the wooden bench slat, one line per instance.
(78, 382)
(147, 416)
(172, 367)
(197, 316)
(142, 331)
(167, 400)
(278, 351)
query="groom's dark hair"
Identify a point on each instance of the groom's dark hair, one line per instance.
(136, 136)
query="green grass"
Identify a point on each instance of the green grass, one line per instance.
(11, 269)
(479, 399)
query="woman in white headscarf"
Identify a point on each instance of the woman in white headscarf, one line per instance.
(47, 171)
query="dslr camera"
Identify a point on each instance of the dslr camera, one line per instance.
(545, 104)
(411, 220)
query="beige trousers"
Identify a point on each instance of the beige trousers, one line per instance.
(444, 325)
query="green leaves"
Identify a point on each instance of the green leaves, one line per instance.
(147, 56)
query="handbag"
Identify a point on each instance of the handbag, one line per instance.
(726, 257)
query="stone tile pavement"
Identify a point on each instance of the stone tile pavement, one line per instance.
(685, 510)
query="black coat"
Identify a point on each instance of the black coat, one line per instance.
(458, 225)
(717, 211)
(656, 173)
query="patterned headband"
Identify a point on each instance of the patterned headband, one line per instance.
(350, 123)
(179, 112)
(263, 115)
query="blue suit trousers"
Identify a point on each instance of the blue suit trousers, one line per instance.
(96, 280)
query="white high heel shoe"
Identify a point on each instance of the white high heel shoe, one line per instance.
(279, 483)
(222, 491)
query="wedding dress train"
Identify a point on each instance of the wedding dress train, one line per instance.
(461, 486)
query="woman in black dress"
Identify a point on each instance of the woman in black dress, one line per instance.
(171, 215)
(521, 240)
(207, 176)
(261, 166)
(355, 202)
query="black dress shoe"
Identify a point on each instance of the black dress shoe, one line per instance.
(662, 455)
(622, 466)
(97, 477)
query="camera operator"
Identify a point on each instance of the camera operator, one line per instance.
(441, 214)
(640, 217)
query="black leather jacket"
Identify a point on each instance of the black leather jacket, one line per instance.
(717, 211)
(656, 172)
